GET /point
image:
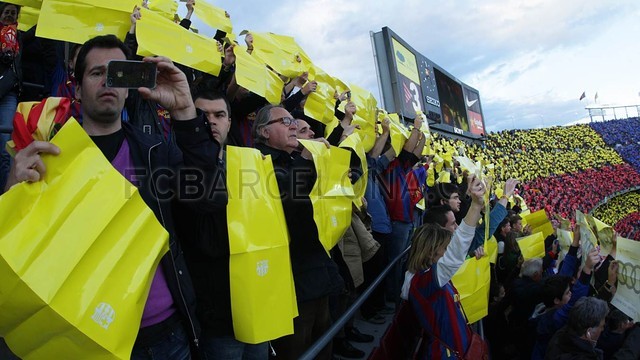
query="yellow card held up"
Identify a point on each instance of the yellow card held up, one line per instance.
(159, 36)
(213, 16)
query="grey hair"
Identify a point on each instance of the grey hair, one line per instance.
(530, 267)
(262, 118)
(588, 312)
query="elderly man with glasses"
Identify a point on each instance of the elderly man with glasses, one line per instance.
(315, 274)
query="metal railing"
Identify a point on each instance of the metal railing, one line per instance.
(313, 351)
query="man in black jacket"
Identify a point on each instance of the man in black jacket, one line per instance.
(168, 325)
(315, 275)
(206, 248)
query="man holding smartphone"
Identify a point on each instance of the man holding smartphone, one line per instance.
(168, 325)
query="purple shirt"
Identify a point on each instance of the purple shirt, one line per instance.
(159, 305)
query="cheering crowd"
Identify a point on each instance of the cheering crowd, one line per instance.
(554, 307)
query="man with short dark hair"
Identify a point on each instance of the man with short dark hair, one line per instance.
(168, 320)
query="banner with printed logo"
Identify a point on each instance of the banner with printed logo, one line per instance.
(332, 193)
(263, 299)
(78, 251)
(627, 297)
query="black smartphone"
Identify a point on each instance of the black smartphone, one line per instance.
(131, 74)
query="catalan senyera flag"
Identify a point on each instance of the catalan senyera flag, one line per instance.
(37, 121)
(159, 36)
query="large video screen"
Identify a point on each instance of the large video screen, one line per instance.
(410, 81)
(452, 105)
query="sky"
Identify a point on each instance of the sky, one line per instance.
(530, 60)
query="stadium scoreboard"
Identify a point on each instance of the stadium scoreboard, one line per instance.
(410, 81)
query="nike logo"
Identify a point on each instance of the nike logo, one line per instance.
(470, 103)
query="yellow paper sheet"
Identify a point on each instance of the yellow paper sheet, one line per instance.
(78, 22)
(332, 193)
(354, 143)
(159, 36)
(472, 280)
(255, 77)
(260, 266)
(78, 251)
(532, 246)
(213, 16)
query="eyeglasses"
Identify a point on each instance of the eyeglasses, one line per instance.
(287, 121)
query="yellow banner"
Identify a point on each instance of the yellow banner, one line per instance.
(213, 16)
(398, 132)
(332, 193)
(159, 36)
(259, 266)
(532, 246)
(78, 251)
(535, 219)
(282, 53)
(406, 62)
(546, 229)
(77, 22)
(165, 8)
(254, 76)
(354, 143)
(472, 281)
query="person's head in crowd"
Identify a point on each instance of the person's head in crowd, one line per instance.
(496, 291)
(441, 215)
(100, 105)
(618, 322)
(428, 245)
(73, 57)
(9, 13)
(516, 223)
(556, 291)
(532, 268)
(304, 130)
(350, 109)
(216, 108)
(450, 196)
(276, 128)
(587, 318)
(505, 227)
